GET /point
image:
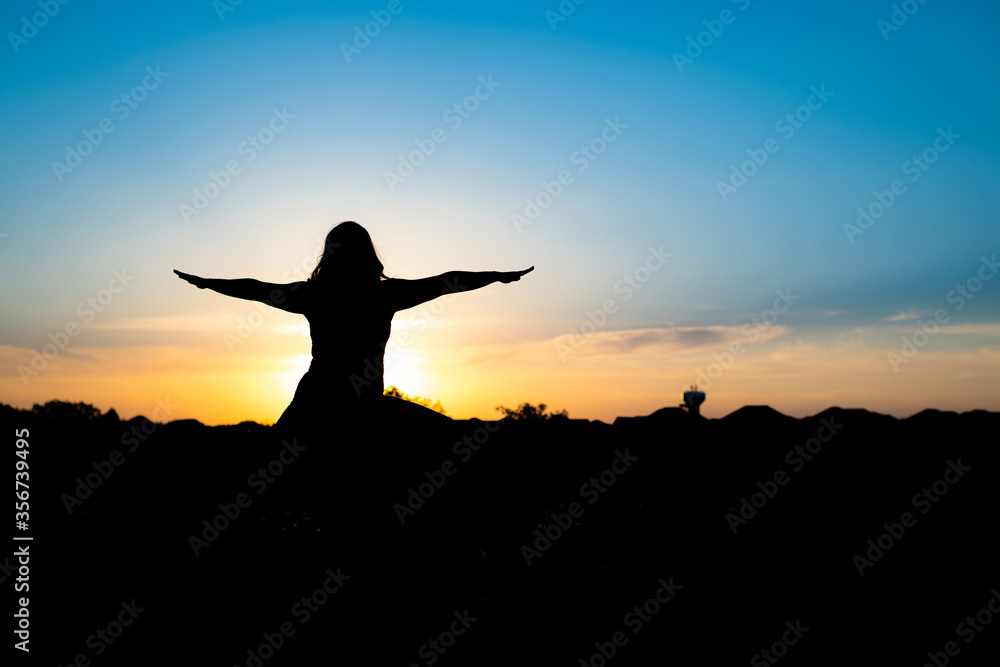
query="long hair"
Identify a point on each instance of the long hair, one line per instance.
(349, 256)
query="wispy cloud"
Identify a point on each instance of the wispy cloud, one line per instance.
(166, 323)
(903, 316)
(668, 339)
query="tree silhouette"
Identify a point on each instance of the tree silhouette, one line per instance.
(529, 412)
(68, 411)
(394, 391)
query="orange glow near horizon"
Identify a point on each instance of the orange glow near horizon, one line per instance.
(257, 383)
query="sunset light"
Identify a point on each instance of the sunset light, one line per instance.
(678, 195)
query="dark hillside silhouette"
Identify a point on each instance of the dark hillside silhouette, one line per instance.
(671, 497)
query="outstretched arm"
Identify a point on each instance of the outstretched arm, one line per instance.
(410, 293)
(273, 294)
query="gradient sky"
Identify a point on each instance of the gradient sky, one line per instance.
(679, 128)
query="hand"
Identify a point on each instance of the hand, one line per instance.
(512, 276)
(200, 283)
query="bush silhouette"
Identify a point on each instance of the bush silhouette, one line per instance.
(394, 391)
(528, 412)
(68, 411)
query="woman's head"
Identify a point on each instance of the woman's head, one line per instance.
(349, 254)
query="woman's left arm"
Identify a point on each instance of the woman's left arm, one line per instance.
(410, 293)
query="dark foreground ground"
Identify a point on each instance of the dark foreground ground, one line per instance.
(848, 538)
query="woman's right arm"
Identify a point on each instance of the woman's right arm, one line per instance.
(286, 297)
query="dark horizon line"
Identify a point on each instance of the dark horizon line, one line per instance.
(661, 412)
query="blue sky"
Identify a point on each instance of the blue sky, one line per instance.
(555, 89)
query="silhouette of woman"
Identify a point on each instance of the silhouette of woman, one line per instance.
(349, 303)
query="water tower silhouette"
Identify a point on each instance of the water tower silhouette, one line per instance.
(693, 400)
